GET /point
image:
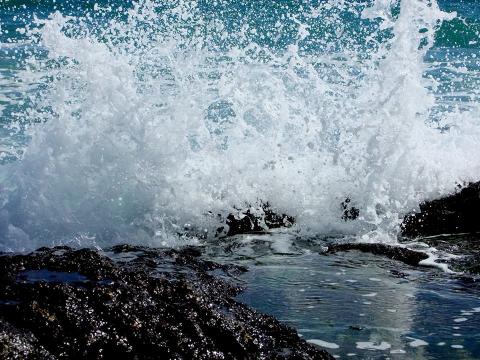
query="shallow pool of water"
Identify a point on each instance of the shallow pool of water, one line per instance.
(358, 305)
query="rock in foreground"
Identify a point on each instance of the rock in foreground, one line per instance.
(134, 303)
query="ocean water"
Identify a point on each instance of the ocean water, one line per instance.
(150, 121)
(357, 305)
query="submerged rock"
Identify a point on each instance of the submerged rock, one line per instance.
(407, 256)
(133, 302)
(457, 213)
(465, 247)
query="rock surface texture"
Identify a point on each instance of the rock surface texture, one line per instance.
(258, 219)
(133, 302)
(407, 256)
(457, 213)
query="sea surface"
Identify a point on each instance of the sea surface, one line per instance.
(357, 305)
(149, 122)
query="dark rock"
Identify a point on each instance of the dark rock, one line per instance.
(274, 220)
(466, 247)
(407, 256)
(350, 212)
(18, 343)
(263, 217)
(135, 303)
(355, 327)
(457, 213)
(261, 220)
(398, 274)
(244, 223)
(469, 264)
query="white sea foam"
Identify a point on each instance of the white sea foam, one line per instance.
(324, 344)
(167, 117)
(368, 345)
(417, 342)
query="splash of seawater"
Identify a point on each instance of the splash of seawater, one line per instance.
(145, 123)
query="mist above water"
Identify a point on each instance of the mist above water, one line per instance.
(150, 124)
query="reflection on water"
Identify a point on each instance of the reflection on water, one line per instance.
(359, 305)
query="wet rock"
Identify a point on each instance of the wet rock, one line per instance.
(356, 327)
(20, 344)
(257, 220)
(457, 213)
(243, 223)
(466, 247)
(469, 264)
(407, 256)
(350, 212)
(133, 302)
(263, 217)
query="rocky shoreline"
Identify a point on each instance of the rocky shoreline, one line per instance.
(453, 214)
(145, 303)
(133, 303)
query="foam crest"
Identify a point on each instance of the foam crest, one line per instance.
(153, 124)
